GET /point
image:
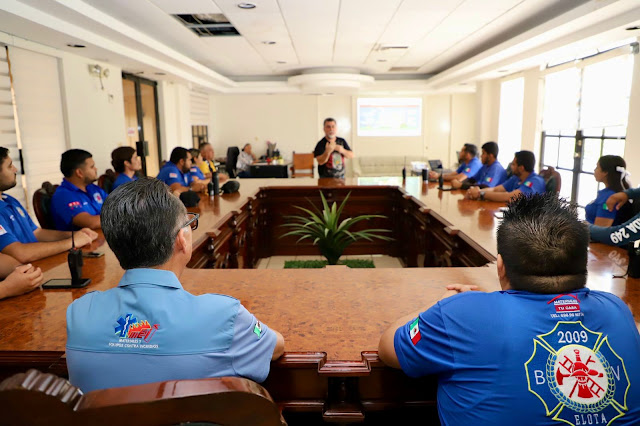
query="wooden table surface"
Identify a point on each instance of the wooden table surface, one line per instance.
(337, 310)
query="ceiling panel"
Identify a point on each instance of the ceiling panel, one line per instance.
(466, 19)
(235, 56)
(187, 6)
(355, 40)
(312, 26)
(262, 24)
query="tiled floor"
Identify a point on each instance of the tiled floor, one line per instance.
(379, 260)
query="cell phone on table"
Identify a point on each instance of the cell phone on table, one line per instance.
(64, 283)
(92, 254)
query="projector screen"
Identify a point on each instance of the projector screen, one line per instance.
(389, 116)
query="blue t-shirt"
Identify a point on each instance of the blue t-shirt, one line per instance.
(149, 329)
(68, 201)
(15, 223)
(623, 234)
(533, 184)
(490, 176)
(512, 357)
(170, 174)
(122, 179)
(197, 173)
(598, 207)
(470, 168)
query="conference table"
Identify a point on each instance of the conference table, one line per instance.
(331, 318)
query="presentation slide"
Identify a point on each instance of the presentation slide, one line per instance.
(389, 116)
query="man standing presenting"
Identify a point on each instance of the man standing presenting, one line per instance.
(545, 350)
(20, 238)
(78, 201)
(331, 151)
(149, 329)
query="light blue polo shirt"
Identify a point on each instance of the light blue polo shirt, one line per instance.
(15, 223)
(170, 174)
(149, 329)
(533, 184)
(68, 201)
(492, 175)
(470, 168)
(121, 180)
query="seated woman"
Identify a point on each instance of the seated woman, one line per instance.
(196, 162)
(18, 279)
(611, 170)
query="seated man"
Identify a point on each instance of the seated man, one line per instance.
(196, 161)
(542, 351)
(623, 234)
(77, 201)
(490, 174)
(126, 163)
(149, 329)
(176, 172)
(18, 279)
(469, 165)
(331, 151)
(245, 160)
(523, 181)
(20, 238)
(207, 167)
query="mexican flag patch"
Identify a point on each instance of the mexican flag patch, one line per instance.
(528, 184)
(258, 329)
(488, 179)
(415, 332)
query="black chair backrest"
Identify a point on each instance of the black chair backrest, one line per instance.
(42, 205)
(232, 158)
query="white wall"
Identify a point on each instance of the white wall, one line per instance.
(632, 145)
(174, 111)
(94, 117)
(487, 110)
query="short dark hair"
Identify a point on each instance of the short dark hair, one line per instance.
(245, 146)
(615, 180)
(4, 153)
(73, 159)
(194, 152)
(543, 244)
(202, 145)
(327, 120)
(178, 153)
(471, 149)
(526, 159)
(119, 156)
(491, 148)
(135, 232)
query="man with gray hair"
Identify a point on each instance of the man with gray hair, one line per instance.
(148, 328)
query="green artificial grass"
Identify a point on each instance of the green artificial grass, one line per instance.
(319, 264)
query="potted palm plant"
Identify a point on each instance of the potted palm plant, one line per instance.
(325, 229)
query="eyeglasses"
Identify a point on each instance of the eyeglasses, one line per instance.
(193, 222)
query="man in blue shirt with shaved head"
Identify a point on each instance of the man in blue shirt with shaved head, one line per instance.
(149, 329)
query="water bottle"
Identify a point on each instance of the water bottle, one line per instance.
(216, 183)
(440, 180)
(210, 187)
(404, 173)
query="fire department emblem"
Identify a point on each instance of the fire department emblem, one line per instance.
(577, 375)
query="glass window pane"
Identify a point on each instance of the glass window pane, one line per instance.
(620, 131)
(561, 91)
(591, 153)
(550, 157)
(566, 184)
(606, 87)
(613, 147)
(587, 189)
(567, 148)
(593, 131)
(568, 132)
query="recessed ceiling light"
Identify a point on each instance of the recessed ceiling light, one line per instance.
(637, 27)
(382, 60)
(160, 73)
(77, 46)
(269, 42)
(282, 62)
(246, 5)
(503, 71)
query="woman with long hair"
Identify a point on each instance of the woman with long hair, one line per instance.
(612, 171)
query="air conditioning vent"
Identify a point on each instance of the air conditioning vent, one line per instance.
(404, 69)
(208, 24)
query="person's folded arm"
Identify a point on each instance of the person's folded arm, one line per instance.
(86, 220)
(46, 235)
(619, 235)
(497, 195)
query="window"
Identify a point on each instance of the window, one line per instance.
(510, 121)
(389, 116)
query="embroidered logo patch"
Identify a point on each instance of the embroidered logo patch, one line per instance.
(173, 175)
(97, 197)
(74, 205)
(467, 170)
(257, 329)
(528, 184)
(414, 332)
(21, 212)
(577, 375)
(2, 230)
(488, 179)
(133, 333)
